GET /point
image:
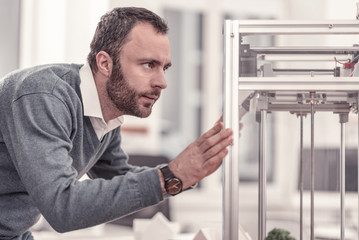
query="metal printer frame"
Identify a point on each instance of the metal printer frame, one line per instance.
(245, 85)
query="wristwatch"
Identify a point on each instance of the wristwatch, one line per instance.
(173, 184)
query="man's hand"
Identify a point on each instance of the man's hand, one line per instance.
(202, 157)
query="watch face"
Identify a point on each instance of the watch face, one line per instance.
(174, 186)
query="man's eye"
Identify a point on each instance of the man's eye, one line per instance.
(149, 65)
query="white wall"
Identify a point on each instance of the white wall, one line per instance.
(9, 35)
(58, 31)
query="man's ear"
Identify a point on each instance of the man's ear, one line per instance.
(104, 63)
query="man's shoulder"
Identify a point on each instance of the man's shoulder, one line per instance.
(51, 72)
(43, 73)
(42, 79)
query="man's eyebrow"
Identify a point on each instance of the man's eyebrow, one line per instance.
(168, 65)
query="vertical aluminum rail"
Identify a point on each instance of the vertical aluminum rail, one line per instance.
(343, 120)
(312, 172)
(358, 159)
(342, 181)
(301, 175)
(262, 203)
(231, 120)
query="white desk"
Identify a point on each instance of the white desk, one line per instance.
(103, 232)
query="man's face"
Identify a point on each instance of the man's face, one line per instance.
(136, 84)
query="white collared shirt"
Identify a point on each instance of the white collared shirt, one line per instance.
(91, 104)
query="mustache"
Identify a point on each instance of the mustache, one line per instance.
(155, 92)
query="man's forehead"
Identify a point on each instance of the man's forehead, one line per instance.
(147, 40)
(145, 32)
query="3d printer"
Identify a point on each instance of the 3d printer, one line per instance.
(268, 79)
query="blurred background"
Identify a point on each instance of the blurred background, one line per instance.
(36, 32)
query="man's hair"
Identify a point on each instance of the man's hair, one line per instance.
(113, 29)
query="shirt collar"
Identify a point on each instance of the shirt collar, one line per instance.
(91, 102)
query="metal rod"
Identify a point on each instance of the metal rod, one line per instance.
(300, 83)
(262, 177)
(304, 108)
(358, 163)
(303, 70)
(306, 50)
(278, 27)
(342, 181)
(312, 172)
(230, 118)
(301, 174)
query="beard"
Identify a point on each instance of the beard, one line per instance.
(125, 97)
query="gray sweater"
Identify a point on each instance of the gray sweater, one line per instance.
(46, 145)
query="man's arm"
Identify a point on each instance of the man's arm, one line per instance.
(41, 146)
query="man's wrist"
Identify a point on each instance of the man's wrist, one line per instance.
(162, 181)
(172, 184)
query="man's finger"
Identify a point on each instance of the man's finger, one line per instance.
(215, 162)
(218, 147)
(220, 119)
(215, 139)
(213, 131)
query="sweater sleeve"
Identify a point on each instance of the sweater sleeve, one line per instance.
(114, 161)
(44, 127)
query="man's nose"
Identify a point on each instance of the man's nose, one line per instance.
(160, 80)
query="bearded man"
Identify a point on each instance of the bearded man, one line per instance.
(59, 122)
